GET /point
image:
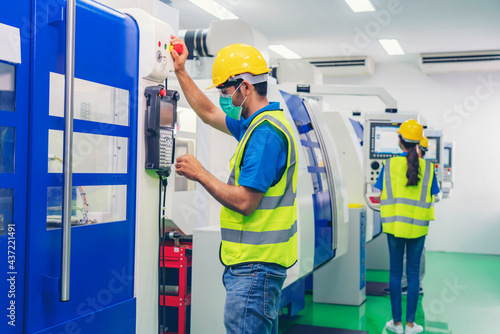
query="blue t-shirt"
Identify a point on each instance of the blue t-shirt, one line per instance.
(264, 160)
(380, 181)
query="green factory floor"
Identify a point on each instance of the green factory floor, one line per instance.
(461, 296)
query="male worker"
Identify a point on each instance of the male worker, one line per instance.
(259, 214)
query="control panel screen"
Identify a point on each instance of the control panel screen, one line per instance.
(432, 150)
(384, 140)
(166, 114)
(432, 154)
(447, 157)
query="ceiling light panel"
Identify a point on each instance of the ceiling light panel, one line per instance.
(358, 6)
(284, 52)
(215, 9)
(392, 47)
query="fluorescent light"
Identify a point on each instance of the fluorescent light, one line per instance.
(284, 52)
(215, 9)
(360, 5)
(391, 46)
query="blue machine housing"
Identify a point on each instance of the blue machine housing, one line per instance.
(102, 255)
(293, 295)
(321, 197)
(14, 132)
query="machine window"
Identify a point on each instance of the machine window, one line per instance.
(6, 209)
(93, 102)
(7, 87)
(7, 135)
(92, 153)
(90, 205)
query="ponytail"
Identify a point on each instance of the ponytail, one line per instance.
(413, 172)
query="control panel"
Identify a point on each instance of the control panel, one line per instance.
(383, 144)
(434, 152)
(154, 45)
(161, 119)
(448, 164)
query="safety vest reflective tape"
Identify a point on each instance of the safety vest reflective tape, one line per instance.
(406, 220)
(259, 238)
(268, 235)
(406, 210)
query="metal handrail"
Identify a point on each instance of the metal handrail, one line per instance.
(68, 150)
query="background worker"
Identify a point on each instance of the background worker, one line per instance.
(406, 209)
(259, 213)
(423, 148)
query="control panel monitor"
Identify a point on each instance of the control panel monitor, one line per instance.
(384, 141)
(433, 150)
(447, 157)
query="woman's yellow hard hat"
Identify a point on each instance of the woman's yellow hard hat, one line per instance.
(411, 131)
(237, 59)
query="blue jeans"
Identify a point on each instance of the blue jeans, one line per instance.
(414, 248)
(253, 298)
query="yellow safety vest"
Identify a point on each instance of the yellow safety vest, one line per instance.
(269, 235)
(406, 210)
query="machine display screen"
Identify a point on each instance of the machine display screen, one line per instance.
(447, 157)
(432, 154)
(166, 114)
(384, 140)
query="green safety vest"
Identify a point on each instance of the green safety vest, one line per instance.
(269, 234)
(406, 210)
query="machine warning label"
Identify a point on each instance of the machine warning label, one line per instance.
(11, 274)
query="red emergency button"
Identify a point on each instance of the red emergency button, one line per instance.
(163, 92)
(449, 169)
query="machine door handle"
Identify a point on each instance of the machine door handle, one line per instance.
(68, 150)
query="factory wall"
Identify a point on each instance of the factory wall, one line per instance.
(466, 106)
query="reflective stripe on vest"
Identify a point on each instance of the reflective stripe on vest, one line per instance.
(407, 220)
(405, 206)
(422, 203)
(270, 233)
(259, 238)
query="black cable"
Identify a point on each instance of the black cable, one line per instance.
(164, 181)
(159, 262)
(162, 316)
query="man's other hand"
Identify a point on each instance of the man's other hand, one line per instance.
(189, 167)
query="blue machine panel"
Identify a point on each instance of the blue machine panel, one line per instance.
(358, 128)
(102, 255)
(362, 251)
(14, 115)
(321, 196)
(377, 223)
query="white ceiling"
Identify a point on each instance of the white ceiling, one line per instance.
(329, 28)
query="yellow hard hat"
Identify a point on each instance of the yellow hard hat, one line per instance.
(411, 131)
(237, 59)
(424, 142)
